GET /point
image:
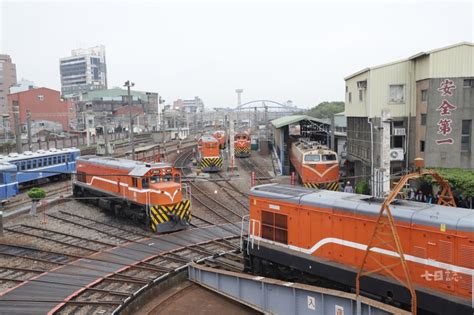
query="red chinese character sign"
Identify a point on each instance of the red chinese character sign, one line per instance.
(444, 126)
(446, 88)
(445, 108)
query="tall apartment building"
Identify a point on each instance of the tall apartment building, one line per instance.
(430, 97)
(85, 70)
(7, 80)
(191, 106)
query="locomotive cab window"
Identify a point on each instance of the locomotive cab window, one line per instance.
(145, 183)
(167, 178)
(155, 179)
(275, 227)
(312, 158)
(329, 157)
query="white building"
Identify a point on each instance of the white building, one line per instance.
(23, 85)
(85, 70)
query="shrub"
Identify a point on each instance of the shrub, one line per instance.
(362, 187)
(36, 193)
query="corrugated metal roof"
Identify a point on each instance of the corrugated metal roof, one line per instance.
(407, 59)
(288, 120)
(112, 93)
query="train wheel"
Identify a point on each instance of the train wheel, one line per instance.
(117, 210)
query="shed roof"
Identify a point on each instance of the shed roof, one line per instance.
(112, 93)
(288, 120)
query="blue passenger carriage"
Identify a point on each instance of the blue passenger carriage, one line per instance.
(8, 182)
(18, 170)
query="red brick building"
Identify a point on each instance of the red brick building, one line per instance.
(45, 105)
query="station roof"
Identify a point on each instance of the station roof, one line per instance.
(293, 119)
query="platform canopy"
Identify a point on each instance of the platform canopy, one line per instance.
(295, 119)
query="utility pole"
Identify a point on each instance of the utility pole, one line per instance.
(239, 102)
(28, 128)
(129, 84)
(16, 117)
(385, 152)
(231, 142)
(163, 125)
(86, 125)
(106, 139)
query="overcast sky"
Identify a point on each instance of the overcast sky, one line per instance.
(279, 51)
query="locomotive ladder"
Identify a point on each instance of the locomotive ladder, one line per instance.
(385, 222)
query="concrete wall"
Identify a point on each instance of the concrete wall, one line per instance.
(421, 108)
(449, 155)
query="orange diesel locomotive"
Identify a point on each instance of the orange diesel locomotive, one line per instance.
(242, 144)
(316, 166)
(209, 158)
(147, 192)
(221, 137)
(297, 232)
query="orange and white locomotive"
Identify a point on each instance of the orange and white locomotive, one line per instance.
(322, 235)
(242, 144)
(209, 155)
(221, 137)
(316, 165)
(147, 192)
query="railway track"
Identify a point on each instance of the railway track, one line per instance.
(106, 296)
(52, 249)
(224, 215)
(22, 199)
(227, 187)
(261, 176)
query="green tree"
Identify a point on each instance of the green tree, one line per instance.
(460, 179)
(326, 109)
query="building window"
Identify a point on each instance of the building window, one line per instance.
(466, 136)
(397, 93)
(41, 97)
(423, 119)
(347, 89)
(424, 95)
(361, 95)
(350, 97)
(468, 83)
(422, 146)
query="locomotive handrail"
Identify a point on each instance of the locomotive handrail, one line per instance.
(446, 198)
(253, 235)
(247, 216)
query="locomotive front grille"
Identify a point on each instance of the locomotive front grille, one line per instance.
(178, 212)
(210, 162)
(242, 151)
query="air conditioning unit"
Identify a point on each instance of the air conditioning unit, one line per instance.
(396, 154)
(398, 131)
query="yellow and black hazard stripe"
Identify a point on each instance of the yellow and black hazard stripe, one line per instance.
(164, 213)
(210, 162)
(328, 186)
(242, 151)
